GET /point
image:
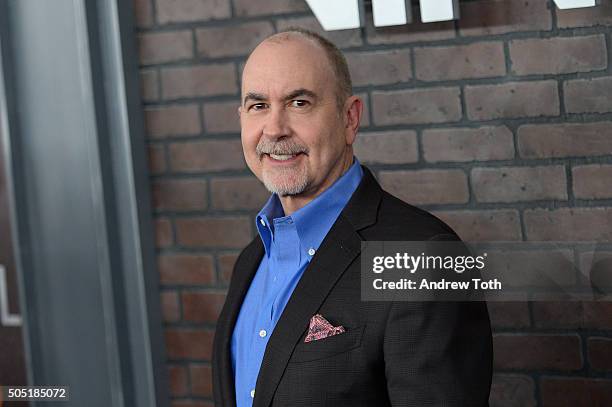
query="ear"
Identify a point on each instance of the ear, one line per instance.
(353, 110)
(239, 110)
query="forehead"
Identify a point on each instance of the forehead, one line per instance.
(277, 68)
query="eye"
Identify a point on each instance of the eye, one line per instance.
(257, 106)
(300, 103)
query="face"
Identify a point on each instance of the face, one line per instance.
(295, 137)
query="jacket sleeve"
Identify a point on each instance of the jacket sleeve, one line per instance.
(438, 354)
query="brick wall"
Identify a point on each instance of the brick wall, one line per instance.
(500, 123)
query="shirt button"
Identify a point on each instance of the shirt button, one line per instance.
(311, 251)
(263, 223)
(262, 333)
(253, 393)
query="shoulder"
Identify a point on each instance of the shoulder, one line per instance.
(398, 220)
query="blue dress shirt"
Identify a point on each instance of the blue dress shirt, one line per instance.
(289, 242)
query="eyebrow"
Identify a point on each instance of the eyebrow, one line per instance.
(294, 94)
(253, 96)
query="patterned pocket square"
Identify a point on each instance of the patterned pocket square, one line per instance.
(321, 328)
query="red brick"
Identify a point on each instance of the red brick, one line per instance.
(238, 193)
(565, 140)
(170, 306)
(594, 258)
(143, 12)
(491, 17)
(173, 120)
(558, 55)
(202, 80)
(179, 11)
(158, 47)
(149, 85)
(600, 353)
(512, 391)
(596, 267)
(241, 65)
(484, 225)
(478, 60)
(573, 314)
(558, 314)
(468, 144)
(537, 352)
(163, 233)
(416, 31)
(186, 269)
(232, 40)
(184, 343)
(226, 265)
(211, 155)
(592, 181)
(508, 314)
(200, 306)
(571, 224)
(515, 184)
(342, 38)
(597, 314)
(201, 380)
(586, 16)
(424, 187)
(157, 158)
(575, 392)
(221, 117)
(379, 67)
(248, 8)
(588, 95)
(177, 375)
(179, 195)
(509, 100)
(214, 232)
(388, 147)
(414, 106)
(525, 269)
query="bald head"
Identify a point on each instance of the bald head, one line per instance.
(328, 57)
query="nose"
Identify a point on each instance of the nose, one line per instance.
(276, 124)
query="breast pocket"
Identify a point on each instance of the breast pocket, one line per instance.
(327, 347)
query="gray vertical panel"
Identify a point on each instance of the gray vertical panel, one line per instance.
(10, 149)
(90, 298)
(70, 266)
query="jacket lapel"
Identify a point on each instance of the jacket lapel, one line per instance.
(339, 248)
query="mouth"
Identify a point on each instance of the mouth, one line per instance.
(283, 158)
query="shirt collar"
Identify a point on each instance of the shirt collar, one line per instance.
(314, 220)
(273, 209)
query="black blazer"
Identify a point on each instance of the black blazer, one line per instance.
(392, 353)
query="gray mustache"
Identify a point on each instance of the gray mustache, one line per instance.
(279, 148)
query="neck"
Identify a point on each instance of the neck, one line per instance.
(291, 203)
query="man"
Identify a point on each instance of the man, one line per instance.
(301, 275)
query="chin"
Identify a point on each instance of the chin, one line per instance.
(285, 185)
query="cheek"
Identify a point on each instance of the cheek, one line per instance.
(249, 145)
(326, 142)
(250, 135)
